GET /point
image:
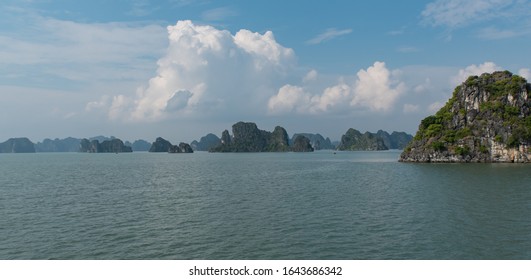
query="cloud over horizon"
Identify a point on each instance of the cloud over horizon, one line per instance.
(216, 70)
(375, 89)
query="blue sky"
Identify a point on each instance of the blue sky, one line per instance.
(183, 68)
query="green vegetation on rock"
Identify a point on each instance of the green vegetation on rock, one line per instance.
(486, 119)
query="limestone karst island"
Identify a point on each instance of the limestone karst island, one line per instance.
(486, 120)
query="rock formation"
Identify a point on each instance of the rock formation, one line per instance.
(395, 140)
(317, 141)
(206, 143)
(486, 120)
(108, 146)
(17, 145)
(68, 144)
(302, 144)
(353, 140)
(162, 145)
(140, 145)
(248, 138)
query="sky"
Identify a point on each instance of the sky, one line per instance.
(180, 69)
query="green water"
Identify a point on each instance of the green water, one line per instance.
(349, 205)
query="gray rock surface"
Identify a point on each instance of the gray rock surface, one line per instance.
(486, 120)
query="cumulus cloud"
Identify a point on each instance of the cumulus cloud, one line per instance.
(206, 70)
(376, 89)
(474, 70)
(289, 99)
(373, 89)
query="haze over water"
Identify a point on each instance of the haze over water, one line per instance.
(321, 205)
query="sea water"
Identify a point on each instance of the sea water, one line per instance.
(321, 205)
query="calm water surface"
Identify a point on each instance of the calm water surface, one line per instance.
(349, 205)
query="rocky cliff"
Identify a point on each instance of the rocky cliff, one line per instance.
(317, 141)
(162, 145)
(302, 143)
(248, 138)
(108, 146)
(353, 140)
(395, 140)
(486, 120)
(206, 142)
(68, 144)
(140, 145)
(17, 145)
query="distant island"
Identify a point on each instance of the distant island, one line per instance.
(17, 145)
(488, 119)
(162, 145)
(354, 140)
(246, 137)
(108, 146)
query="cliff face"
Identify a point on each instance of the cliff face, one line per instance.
(17, 145)
(58, 145)
(108, 146)
(353, 140)
(486, 120)
(206, 143)
(302, 144)
(162, 145)
(248, 138)
(395, 140)
(317, 141)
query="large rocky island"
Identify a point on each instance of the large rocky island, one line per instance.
(486, 120)
(248, 138)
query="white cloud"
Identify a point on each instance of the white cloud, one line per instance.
(289, 99)
(459, 13)
(102, 103)
(217, 71)
(310, 76)
(474, 70)
(525, 72)
(329, 34)
(374, 89)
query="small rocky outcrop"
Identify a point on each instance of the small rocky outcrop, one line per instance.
(353, 140)
(317, 141)
(17, 145)
(114, 145)
(302, 144)
(248, 138)
(487, 119)
(162, 145)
